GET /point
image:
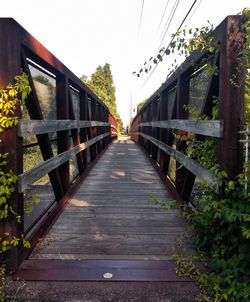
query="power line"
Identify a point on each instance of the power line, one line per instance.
(167, 25)
(191, 16)
(163, 14)
(171, 41)
(168, 22)
(139, 26)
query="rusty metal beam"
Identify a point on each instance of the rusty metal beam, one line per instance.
(99, 270)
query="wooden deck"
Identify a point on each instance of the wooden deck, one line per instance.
(112, 216)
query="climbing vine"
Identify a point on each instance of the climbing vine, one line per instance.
(183, 44)
(10, 98)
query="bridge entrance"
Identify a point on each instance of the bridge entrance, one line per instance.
(112, 216)
(105, 220)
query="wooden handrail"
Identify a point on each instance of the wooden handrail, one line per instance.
(34, 127)
(26, 179)
(213, 128)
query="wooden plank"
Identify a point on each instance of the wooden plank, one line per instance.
(28, 178)
(213, 128)
(34, 127)
(186, 161)
(115, 249)
(100, 257)
(115, 229)
(108, 239)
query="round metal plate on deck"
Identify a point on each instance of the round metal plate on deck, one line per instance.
(107, 275)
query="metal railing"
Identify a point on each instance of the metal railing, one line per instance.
(163, 120)
(64, 122)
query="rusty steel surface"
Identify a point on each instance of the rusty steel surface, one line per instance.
(10, 66)
(98, 270)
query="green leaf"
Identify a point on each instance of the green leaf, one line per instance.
(167, 51)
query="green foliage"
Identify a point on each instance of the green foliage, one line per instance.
(167, 205)
(247, 98)
(10, 97)
(7, 187)
(183, 44)
(204, 151)
(119, 121)
(222, 231)
(222, 237)
(246, 54)
(8, 241)
(101, 82)
(140, 105)
(30, 198)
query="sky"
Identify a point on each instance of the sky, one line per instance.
(124, 33)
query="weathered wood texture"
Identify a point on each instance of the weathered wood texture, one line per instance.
(26, 179)
(212, 128)
(192, 165)
(35, 127)
(112, 216)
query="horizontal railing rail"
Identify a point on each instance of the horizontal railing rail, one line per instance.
(35, 127)
(26, 179)
(212, 128)
(190, 164)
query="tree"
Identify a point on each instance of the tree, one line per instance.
(101, 82)
(84, 78)
(139, 105)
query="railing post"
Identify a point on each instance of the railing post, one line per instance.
(10, 66)
(98, 129)
(93, 129)
(144, 119)
(154, 131)
(102, 128)
(75, 135)
(181, 113)
(110, 127)
(83, 131)
(106, 128)
(164, 133)
(231, 96)
(148, 130)
(62, 98)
